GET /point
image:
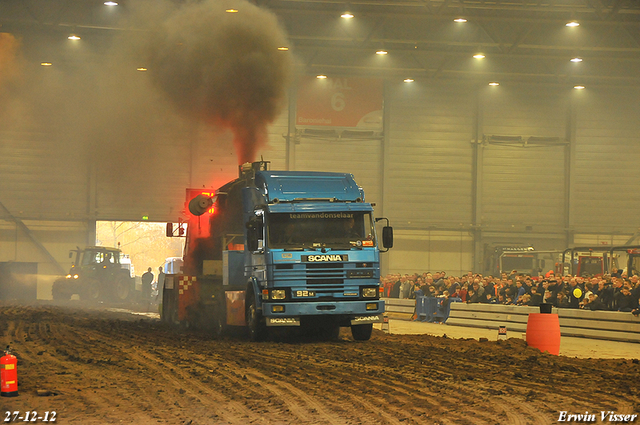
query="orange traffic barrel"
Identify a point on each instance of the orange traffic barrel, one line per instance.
(8, 375)
(543, 332)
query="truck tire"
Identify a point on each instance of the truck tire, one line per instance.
(361, 332)
(256, 327)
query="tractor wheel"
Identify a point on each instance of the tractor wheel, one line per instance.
(92, 291)
(122, 288)
(59, 294)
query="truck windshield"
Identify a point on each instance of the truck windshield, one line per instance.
(318, 229)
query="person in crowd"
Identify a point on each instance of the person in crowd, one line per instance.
(463, 292)
(562, 302)
(576, 293)
(524, 299)
(594, 303)
(416, 289)
(625, 301)
(488, 298)
(536, 299)
(503, 299)
(472, 296)
(395, 290)
(405, 287)
(147, 278)
(636, 311)
(549, 298)
(520, 291)
(160, 284)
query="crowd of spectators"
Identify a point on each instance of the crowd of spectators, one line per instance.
(612, 292)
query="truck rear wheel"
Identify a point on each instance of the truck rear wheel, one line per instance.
(257, 327)
(361, 332)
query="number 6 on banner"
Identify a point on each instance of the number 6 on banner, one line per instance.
(337, 102)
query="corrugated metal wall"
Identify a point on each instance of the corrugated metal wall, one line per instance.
(428, 176)
(523, 160)
(606, 162)
(428, 157)
(42, 175)
(362, 158)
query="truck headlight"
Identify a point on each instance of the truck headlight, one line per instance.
(369, 292)
(278, 294)
(75, 276)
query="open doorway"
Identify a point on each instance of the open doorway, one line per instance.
(143, 244)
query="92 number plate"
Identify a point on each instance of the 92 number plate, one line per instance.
(305, 294)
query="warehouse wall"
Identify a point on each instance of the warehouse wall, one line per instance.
(605, 196)
(446, 195)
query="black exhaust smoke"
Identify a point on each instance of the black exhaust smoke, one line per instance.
(223, 68)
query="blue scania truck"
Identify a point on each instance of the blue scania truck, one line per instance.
(280, 249)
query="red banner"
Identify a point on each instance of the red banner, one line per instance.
(340, 102)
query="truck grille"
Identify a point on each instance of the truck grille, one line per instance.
(323, 276)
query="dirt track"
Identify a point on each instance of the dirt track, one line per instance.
(106, 367)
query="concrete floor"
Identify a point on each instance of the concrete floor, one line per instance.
(569, 346)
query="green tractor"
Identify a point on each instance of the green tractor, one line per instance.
(98, 274)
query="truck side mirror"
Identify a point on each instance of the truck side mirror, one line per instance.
(387, 237)
(169, 232)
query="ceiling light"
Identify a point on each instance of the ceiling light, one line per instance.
(283, 48)
(73, 37)
(409, 80)
(381, 52)
(141, 69)
(347, 15)
(494, 83)
(573, 24)
(479, 56)
(576, 60)
(110, 3)
(231, 10)
(321, 77)
(46, 63)
(461, 20)
(578, 87)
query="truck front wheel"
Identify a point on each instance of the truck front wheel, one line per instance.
(361, 332)
(255, 323)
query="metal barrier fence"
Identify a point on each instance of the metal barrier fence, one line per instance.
(608, 325)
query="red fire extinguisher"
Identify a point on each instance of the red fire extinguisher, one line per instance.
(8, 374)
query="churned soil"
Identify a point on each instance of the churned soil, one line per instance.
(94, 366)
